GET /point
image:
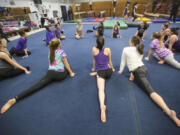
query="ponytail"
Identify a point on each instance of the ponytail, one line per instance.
(158, 35)
(140, 49)
(135, 40)
(54, 43)
(100, 43)
(166, 25)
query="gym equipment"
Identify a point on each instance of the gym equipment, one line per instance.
(109, 24)
(143, 19)
(99, 20)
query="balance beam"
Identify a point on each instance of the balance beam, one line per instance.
(151, 14)
(164, 15)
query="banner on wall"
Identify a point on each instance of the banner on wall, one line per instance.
(11, 2)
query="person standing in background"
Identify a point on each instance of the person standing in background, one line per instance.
(154, 5)
(90, 4)
(174, 10)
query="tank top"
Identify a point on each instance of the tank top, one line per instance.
(4, 64)
(101, 61)
(177, 43)
(116, 30)
(58, 64)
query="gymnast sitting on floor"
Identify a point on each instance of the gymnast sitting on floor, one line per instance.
(79, 30)
(49, 34)
(20, 49)
(133, 57)
(100, 29)
(141, 31)
(58, 32)
(161, 52)
(58, 71)
(116, 30)
(102, 69)
(8, 63)
(164, 31)
(174, 41)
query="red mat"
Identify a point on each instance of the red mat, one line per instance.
(99, 20)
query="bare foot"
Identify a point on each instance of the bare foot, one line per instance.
(174, 118)
(93, 74)
(103, 114)
(161, 62)
(131, 78)
(10, 103)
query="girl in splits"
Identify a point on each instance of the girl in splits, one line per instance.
(102, 69)
(8, 66)
(161, 52)
(58, 71)
(133, 57)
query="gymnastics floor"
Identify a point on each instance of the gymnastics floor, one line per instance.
(71, 107)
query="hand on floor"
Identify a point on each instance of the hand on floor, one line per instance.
(93, 74)
(146, 58)
(72, 74)
(119, 73)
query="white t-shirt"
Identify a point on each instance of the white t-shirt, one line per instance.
(132, 57)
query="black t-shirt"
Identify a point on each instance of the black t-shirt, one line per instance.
(101, 30)
(141, 31)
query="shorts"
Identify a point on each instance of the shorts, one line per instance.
(106, 74)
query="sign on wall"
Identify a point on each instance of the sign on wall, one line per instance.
(11, 2)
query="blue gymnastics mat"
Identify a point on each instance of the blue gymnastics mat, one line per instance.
(71, 107)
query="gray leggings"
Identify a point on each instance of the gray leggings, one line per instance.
(141, 79)
(170, 60)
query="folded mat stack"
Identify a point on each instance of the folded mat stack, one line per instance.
(109, 24)
(143, 19)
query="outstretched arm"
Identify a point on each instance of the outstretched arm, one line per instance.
(172, 41)
(149, 54)
(67, 66)
(13, 62)
(123, 63)
(109, 60)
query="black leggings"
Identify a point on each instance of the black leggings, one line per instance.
(50, 77)
(10, 72)
(18, 52)
(134, 17)
(141, 80)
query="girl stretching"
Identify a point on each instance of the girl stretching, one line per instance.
(102, 69)
(8, 63)
(142, 30)
(79, 30)
(161, 52)
(49, 34)
(116, 30)
(164, 31)
(58, 71)
(133, 57)
(100, 29)
(174, 41)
